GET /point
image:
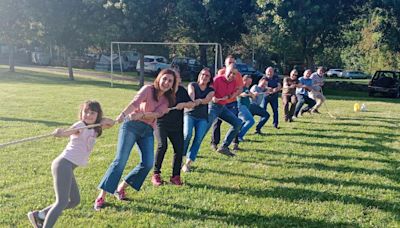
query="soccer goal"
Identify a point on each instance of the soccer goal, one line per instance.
(119, 56)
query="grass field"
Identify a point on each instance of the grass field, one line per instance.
(315, 172)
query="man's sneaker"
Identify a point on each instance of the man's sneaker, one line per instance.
(235, 147)
(276, 126)
(33, 217)
(156, 180)
(304, 111)
(121, 194)
(225, 151)
(214, 146)
(176, 180)
(98, 204)
(258, 132)
(315, 111)
(186, 168)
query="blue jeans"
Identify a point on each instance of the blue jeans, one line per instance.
(301, 99)
(248, 119)
(273, 101)
(256, 110)
(216, 127)
(130, 132)
(200, 127)
(220, 111)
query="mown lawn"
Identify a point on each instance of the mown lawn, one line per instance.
(315, 172)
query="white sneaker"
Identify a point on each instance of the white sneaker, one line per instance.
(186, 168)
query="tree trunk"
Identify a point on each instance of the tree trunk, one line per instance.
(141, 63)
(11, 61)
(70, 71)
(203, 55)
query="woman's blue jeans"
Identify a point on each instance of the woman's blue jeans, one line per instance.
(130, 132)
(200, 130)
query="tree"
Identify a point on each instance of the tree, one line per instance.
(311, 24)
(210, 21)
(67, 25)
(14, 26)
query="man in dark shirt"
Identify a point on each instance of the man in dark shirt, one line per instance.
(274, 86)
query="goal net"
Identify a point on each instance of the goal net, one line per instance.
(189, 57)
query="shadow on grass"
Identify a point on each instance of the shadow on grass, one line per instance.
(306, 180)
(52, 79)
(228, 173)
(185, 212)
(299, 194)
(47, 123)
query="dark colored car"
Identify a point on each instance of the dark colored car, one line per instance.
(385, 82)
(246, 69)
(188, 67)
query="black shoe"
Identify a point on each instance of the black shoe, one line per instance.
(304, 111)
(258, 132)
(235, 147)
(225, 151)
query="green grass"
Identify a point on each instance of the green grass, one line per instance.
(315, 172)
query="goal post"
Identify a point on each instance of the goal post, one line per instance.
(217, 49)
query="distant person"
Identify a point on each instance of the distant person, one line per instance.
(316, 93)
(231, 104)
(139, 121)
(170, 126)
(81, 142)
(289, 99)
(302, 94)
(226, 88)
(259, 91)
(248, 109)
(274, 86)
(197, 118)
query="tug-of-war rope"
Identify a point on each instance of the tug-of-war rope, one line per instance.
(34, 138)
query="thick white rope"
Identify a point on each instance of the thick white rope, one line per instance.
(46, 135)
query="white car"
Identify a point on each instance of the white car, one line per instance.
(334, 72)
(153, 64)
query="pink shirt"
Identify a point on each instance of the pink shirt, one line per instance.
(144, 102)
(223, 87)
(80, 145)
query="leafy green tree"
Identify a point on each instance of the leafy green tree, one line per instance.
(211, 21)
(15, 24)
(311, 25)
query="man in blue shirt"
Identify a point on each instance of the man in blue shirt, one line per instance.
(302, 94)
(274, 86)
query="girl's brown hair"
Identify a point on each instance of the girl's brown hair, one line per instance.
(95, 107)
(170, 94)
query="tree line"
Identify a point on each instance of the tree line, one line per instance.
(355, 34)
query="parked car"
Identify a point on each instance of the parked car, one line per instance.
(354, 74)
(334, 72)
(153, 64)
(385, 82)
(246, 69)
(188, 67)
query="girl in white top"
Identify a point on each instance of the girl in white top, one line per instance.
(75, 154)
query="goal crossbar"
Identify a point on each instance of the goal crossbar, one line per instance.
(218, 51)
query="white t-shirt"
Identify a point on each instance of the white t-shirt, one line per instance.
(80, 145)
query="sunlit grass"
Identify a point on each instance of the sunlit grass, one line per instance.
(314, 172)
